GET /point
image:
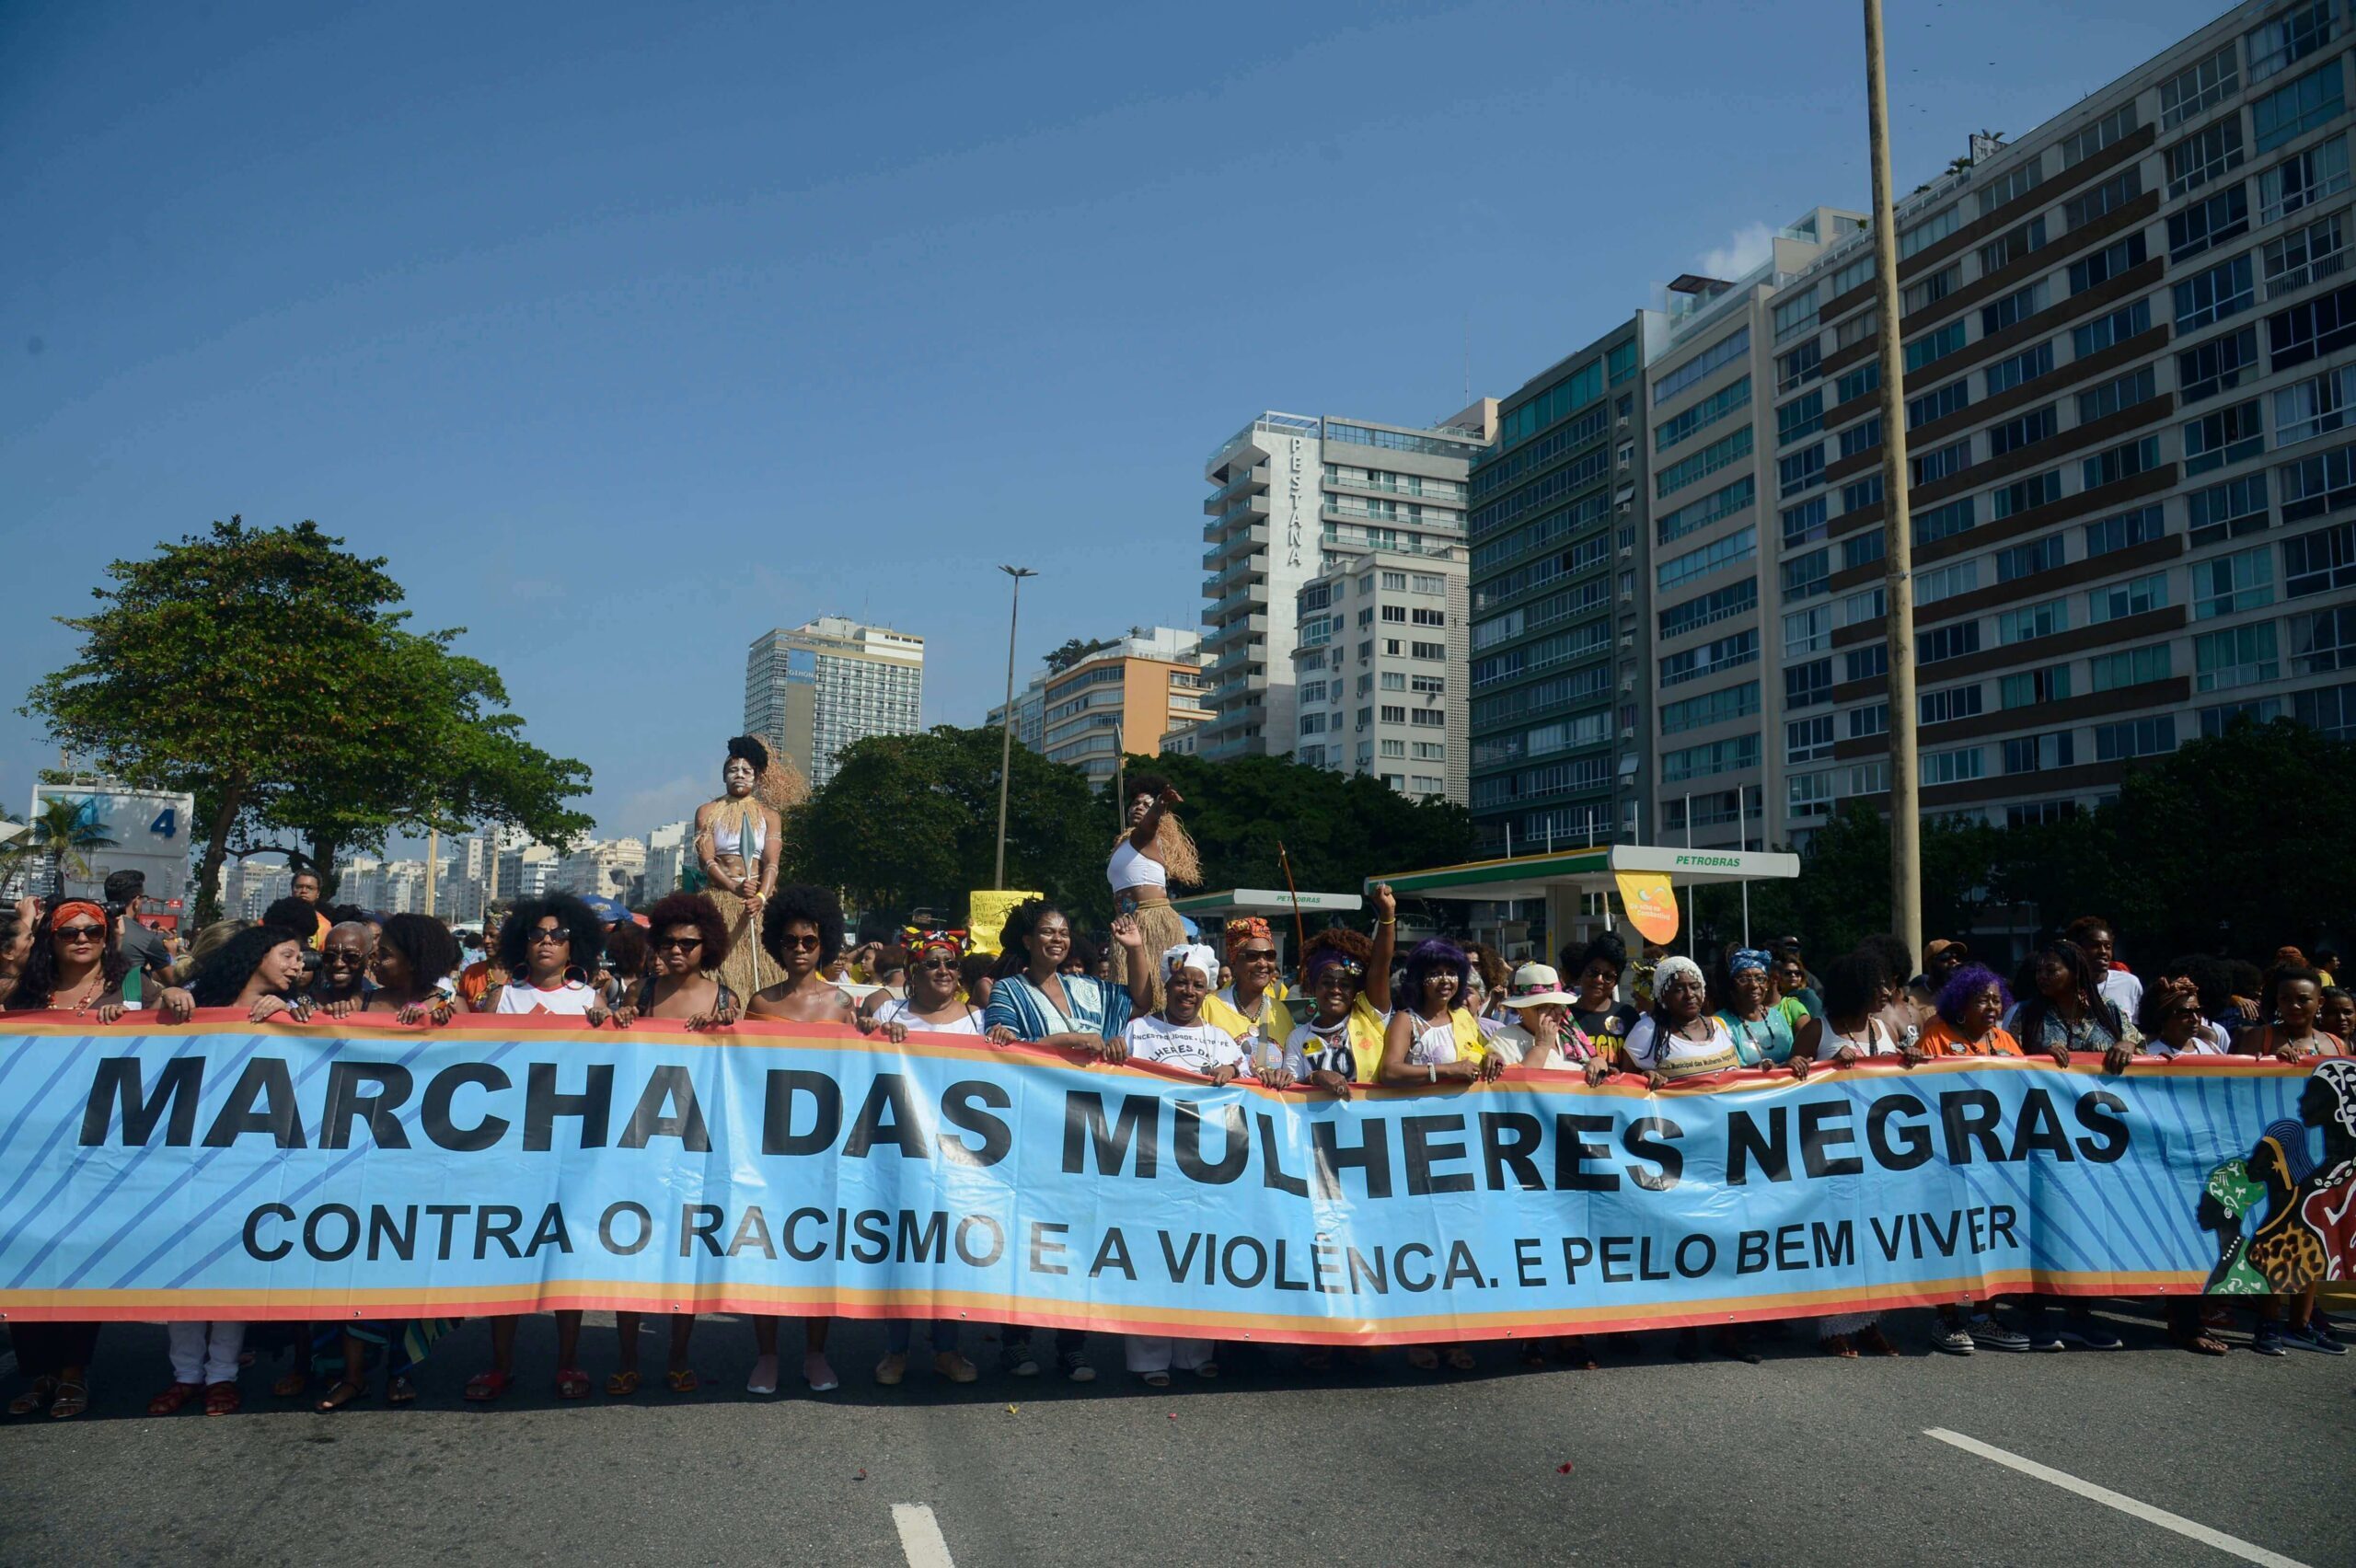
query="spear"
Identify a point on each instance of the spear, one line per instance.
(1299, 931)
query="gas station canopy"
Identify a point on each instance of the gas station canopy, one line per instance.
(1588, 870)
(1264, 901)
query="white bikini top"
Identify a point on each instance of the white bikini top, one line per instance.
(1131, 867)
(727, 840)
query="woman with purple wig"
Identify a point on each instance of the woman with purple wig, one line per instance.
(1971, 1008)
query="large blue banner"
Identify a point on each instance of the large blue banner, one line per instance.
(228, 1170)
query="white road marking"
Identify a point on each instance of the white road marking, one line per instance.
(920, 1536)
(2233, 1545)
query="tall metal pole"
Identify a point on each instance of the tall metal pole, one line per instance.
(1905, 824)
(1006, 752)
(432, 863)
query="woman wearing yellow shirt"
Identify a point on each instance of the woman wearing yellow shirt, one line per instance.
(1249, 1009)
(1348, 980)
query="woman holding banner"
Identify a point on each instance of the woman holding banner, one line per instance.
(1349, 979)
(1248, 1008)
(738, 840)
(1153, 853)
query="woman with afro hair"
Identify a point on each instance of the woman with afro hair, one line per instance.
(738, 838)
(688, 945)
(1339, 1046)
(549, 948)
(1152, 852)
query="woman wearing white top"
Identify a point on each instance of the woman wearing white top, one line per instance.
(1178, 1037)
(1151, 853)
(1679, 1038)
(738, 840)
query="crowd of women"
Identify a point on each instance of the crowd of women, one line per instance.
(1355, 1013)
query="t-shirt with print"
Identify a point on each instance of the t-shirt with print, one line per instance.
(1197, 1046)
(1352, 1048)
(523, 997)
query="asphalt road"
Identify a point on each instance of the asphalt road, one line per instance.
(1801, 1460)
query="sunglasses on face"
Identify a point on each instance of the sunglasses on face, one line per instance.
(82, 933)
(685, 944)
(343, 955)
(797, 944)
(947, 964)
(1255, 955)
(552, 935)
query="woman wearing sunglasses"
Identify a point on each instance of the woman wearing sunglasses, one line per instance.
(550, 947)
(689, 946)
(1247, 1007)
(76, 965)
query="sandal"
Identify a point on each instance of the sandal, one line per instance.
(1837, 1344)
(71, 1400)
(621, 1385)
(572, 1383)
(1873, 1341)
(400, 1391)
(168, 1402)
(343, 1394)
(289, 1385)
(222, 1399)
(484, 1387)
(682, 1381)
(1155, 1380)
(2201, 1342)
(32, 1399)
(1460, 1359)
(1423, 1358)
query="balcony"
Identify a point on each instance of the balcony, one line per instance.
(1408, 485)
(1243, 541)
(1240, 627)
(1248, 568)
(1255, 479)
(1245, 509)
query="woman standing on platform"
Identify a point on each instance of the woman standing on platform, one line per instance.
(738, 838)
(1150, 856)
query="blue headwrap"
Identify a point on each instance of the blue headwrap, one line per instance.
(1749, 958)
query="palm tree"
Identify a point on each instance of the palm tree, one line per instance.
(64, 830)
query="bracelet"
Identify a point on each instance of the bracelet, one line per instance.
(1386, 920)
(1431, 1071)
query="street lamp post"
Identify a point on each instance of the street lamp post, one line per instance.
(1006, 749)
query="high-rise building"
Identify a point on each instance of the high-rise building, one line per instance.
(1558, 701)
(1377, 669)
(668, 852)
(2130, 341)
(818, 688)
(1124, 693)
(610, 867)
(1286, 490)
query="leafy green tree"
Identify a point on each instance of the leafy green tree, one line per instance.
(1059, 659)
(268, 673)
(1842, 892)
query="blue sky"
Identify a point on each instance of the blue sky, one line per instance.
(627, 332)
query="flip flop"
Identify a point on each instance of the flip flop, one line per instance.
(485, 1386)
(682, 1381)
(572, 1383)
(343, 1392)
(621, 1385)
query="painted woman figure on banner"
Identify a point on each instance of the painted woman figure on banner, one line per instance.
(1152, 855)
(738, 837)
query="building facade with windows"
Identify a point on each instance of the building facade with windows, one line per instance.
(817, 688)
(1378, 669)
(1129, 693)
(1557, 700)
(1287, 491)
(1715, 489)
(2129, 341)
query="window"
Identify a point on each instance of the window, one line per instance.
(2218, 365)
(1942, 522)
(1710, 707)
(1808, 739)
(1796, 316)
(2038, 490)
(2011, 435)
(2134, 666)
(1808, 631)
(2213, 294)
(2296, 108)
(2208, 153)
(1952, 398)
(1392, 714)
(2313, 485)
(1946, 642)
(1936, 345)
(2303, 256)
(2288, 38)
(1798, 471)
(1806, 576)
(2014, 245)
(2236, 656)
(1807, 684)
(2039, 754)
(1863, 436)
(1392, 680)
(2228, 584)
(1798, 368)
(1429, 751)
(1931, 290)
(1871, 720)
(1708, 412)
(2120, 392)
(1946, 582)
(1857, 383)
(1864, 664)
(1723, 654)
(1425, 582)
(2031, 622)
(1857, 330)
(2081, 146)
(1715, 605)
(2028, 560)
(2320, 562)
(1312, 723)
(1810, 794)
(2323, 642)
(2227, 435)
(2032, 686)
(1701, 513)
(2115, 600)
(2214, 221)
(1718, 756)
(1863, 549)
(1427, 650)
(1394, 582)
(1718, 355)
(2136, 737)
(1731, 448)
(1859, 494)
(2107, 196)
(1951, 766)
(1422, 617)
(1429, 718)
(2121, 462)
(1802, 416)
(2109, 263)
(2312, 327)
(2139, 526)
(1955, 702)
(2115, 328)
(2022, 180)
(1943, 464)
(1804, 522)
(2013, 309)
(1623, 360)
(2026, 365)
(1740, 544)
(1929, 232)
(1870, 605)
(1855, 274)
(2199, 87)
(1392, 612)
(2040, 813)
(2331, 711)
(1429, 685)
(2314, 406)
(2301, 179)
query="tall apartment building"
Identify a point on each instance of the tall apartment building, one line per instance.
(1377, 668)
(1127, 694)
(1286, 490)
(1558, 699)
(818, 688)
(669, 851)
(1708, 435)
(2130, 347)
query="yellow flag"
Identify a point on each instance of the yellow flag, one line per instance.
(1650, 903)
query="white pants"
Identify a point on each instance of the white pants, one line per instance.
(205, 1353)
(1147, 1354)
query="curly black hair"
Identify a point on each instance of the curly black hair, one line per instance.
(2073, 958)
(1894, 955)
(40, 977)
(625, 951)
(801, 904)
(1147, 784)
(292, 914)
(426, 943)
(1607, 945)
(220, 979)
(698, 910)
(1851, 980)
(349, 914)
(588, 933)
(1014, 937)
(750, 748)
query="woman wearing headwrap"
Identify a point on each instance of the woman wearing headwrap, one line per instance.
(1149, 858)
(1248, 1008)
(738, 838)
(1677, 1039)
(1761, 1027)
(1348, 980)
